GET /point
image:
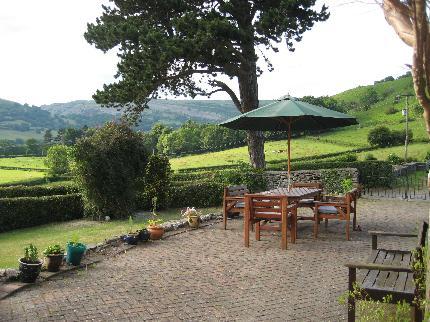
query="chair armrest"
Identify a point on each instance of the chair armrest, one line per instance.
(334, 204)
(387, 233)
(333, 198)
(379, 267)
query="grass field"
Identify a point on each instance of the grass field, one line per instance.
(90, 232)
(24, 162)
(18, 176)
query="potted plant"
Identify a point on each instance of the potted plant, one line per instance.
(144, 235)
(75, 251)
(30, 264)
(132, 237)
(154, 228)
(193, 217)
(54, 257)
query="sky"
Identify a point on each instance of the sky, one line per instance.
(45, 59)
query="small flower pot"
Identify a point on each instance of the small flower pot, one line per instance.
(75, 252)
(29, 271)
(53, 262)
(144, 235)
(131, 238)
(194, 221)
(156, 232)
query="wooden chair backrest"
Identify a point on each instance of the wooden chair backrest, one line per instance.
(422, 234)
(316, 185)
(236, 191)
(265, 207)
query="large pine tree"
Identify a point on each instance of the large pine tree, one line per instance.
(182, 47)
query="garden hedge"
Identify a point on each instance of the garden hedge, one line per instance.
(36, 191)
(32, 211)
(196, 194)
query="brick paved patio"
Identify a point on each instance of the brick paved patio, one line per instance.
(208, 275)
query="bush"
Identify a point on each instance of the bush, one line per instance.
(57, 160)
(334, 182)
(36, 191)
(348, 157)
(196, 194)
(381, 136)
(390, 110)
(108, 167)
(369, 157)
(245, 174)
(394, 159)
(155, 183)
(427, 157)
(32, 211)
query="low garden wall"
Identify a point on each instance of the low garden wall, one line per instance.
(277, 179)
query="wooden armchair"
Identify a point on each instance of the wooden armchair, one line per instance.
(234, 202)
(339, 208)
(308, 203)
(264, 210)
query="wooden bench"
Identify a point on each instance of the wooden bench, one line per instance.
(234, 201)
(388, 272)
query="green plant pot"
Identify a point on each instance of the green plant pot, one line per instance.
(29, 271)
(75, 253)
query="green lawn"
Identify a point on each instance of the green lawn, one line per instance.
(415, 150)
(24, 162)
(18, 176)
(90, 232)
(274, 150)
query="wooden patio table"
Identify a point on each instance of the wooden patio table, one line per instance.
(293, 195)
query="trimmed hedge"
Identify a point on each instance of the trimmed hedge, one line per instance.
(36, 191)
(196, 194)
(32, 211)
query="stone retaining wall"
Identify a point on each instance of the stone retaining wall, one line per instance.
(277, 179)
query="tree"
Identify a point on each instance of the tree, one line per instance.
(108, 167)
(57, 160)
(47, 137)
(33, 146)
(369, 98)
(410, 21)
(184, 47)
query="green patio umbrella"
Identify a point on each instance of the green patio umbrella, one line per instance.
(286, 114)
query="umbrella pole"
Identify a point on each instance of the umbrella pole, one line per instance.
(289, 155)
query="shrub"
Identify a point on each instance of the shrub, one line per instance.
(427, 157)
(390, 110)
(32, 211)
(199, 194)
(379, 136)
(155, 183)
(108, 167)
(36, 191)
(244, 174)
(369, 157)
(348, 157)
(57, 160)
(394, 158)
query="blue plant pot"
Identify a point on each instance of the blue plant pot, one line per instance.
(75, 253)
(144, 235)
(131, 239)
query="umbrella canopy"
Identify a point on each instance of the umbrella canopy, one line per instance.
(287, 113)
(276, 116)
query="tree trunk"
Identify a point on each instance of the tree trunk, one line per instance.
(248, 88)
(256, 148)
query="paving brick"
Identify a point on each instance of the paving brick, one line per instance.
(208, 275)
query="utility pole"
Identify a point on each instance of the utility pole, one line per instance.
(405, 113)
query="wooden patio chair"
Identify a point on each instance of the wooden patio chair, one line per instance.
(234, 202)
(308, 203)
(271, 213)
(339, 208)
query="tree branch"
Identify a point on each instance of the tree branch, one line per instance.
(224, 87)
(398, 16)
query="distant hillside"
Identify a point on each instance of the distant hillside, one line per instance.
(32, 121)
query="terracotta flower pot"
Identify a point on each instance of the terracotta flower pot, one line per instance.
(194, 221)
(53, 262)
(156, 232)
